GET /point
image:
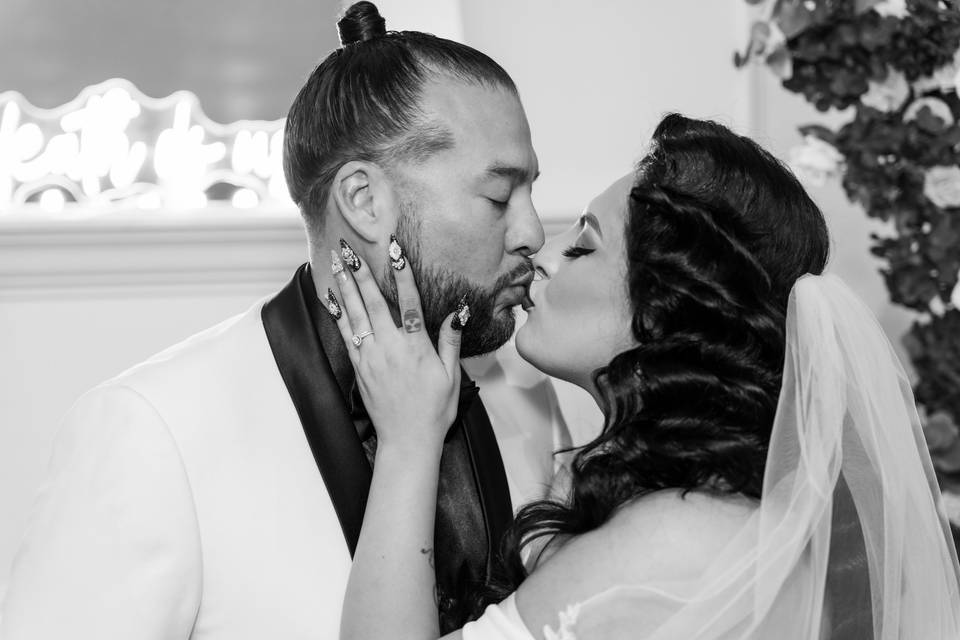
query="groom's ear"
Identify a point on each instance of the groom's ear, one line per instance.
(360, 193)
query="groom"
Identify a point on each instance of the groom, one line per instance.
(216, 491)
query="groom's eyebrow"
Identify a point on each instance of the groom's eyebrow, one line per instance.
(516, 175)
(590, 219)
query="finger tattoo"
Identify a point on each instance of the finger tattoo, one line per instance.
(412, 322)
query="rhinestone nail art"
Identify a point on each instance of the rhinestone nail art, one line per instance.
(462, 315)
(397, 261)
(350, 258)
(333, 306)
(336, 265)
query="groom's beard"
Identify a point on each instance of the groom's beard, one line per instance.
(441, 290)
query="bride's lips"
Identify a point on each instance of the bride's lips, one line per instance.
(522, 287)
(528, 302)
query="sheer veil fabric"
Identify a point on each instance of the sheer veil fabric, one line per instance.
(850, 540)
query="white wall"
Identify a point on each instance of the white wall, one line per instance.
(596, 77)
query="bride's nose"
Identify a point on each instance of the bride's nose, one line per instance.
(546, 260)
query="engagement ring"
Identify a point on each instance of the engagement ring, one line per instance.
(357, 339)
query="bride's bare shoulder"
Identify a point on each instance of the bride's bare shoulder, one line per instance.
(688, 529)
(664, 535)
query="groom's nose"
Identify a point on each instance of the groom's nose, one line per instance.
(524, 234)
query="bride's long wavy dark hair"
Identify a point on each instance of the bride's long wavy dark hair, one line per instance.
(717, 232)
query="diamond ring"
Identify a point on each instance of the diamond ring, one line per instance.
(358, 338)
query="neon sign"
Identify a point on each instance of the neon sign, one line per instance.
(113, 147)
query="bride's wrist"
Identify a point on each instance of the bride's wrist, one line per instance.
(424, 448)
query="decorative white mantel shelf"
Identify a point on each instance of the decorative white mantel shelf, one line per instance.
(148, 251)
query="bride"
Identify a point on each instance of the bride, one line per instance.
(761, 472)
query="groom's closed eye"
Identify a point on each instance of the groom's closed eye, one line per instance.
(500, 180)
(499, 198)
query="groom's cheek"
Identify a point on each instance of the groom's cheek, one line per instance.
(478, 257)
(469, 242)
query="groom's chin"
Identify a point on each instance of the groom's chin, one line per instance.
(487, 334)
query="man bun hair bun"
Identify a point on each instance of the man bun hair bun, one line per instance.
(361, 22)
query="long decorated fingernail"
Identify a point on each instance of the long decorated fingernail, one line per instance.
(397, 261)
(350, 258)
(333, 306)
(461, 316)
(336, 265)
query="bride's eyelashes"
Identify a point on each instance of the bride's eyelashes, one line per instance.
(576, 252)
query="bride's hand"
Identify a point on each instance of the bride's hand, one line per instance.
(410, 389)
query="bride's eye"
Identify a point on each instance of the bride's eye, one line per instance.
(576, 252)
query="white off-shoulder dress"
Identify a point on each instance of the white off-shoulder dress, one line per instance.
(614, 614)
(499, 622)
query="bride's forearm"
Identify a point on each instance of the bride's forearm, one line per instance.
(390, 593)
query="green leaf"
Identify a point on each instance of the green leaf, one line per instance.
(819, 131)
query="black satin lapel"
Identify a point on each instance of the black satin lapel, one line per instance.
(330, 432)
(489, 473)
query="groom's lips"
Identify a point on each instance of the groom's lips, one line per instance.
(523, 288)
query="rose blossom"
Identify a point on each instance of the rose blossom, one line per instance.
(895, 8)
(815, 161)
(888, 95)
(941, 186)
(938, 107)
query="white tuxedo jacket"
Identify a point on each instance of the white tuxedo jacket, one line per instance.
(183, 501)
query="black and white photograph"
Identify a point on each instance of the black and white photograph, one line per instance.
(479, 320)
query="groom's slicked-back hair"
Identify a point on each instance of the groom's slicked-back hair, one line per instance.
(363, 103)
